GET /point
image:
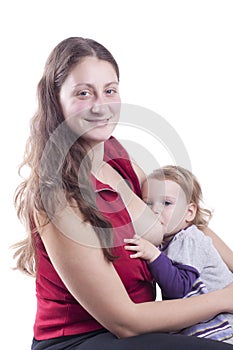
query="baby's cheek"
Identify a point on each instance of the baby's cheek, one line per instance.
(173, 220)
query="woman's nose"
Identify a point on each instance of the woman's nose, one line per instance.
(98, 109)
(99, 106)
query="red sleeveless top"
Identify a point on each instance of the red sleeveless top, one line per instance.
(58, 313)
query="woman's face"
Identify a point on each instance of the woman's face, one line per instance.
(90, 100)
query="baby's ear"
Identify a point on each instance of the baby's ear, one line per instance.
(191, 213)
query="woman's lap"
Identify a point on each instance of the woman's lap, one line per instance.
(151, 341)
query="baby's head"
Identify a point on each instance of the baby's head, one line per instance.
(176, 195)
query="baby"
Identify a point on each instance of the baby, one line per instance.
(186, 264)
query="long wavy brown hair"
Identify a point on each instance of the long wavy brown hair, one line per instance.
(191, 187)
(50, 160)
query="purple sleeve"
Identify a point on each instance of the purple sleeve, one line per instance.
(174, 279)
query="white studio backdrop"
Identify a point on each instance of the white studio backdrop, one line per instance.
(175, 59)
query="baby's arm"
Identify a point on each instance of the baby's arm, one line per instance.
(174, 279)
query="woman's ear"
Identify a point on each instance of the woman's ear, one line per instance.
(191, 212)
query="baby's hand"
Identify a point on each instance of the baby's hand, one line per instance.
(142, 248)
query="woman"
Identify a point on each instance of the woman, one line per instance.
(80, 201)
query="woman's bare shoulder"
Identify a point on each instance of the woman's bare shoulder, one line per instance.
(139, 171)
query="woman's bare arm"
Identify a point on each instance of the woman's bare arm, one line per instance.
(146, 223)
(225, 252)
(139, 172)
(95, 284)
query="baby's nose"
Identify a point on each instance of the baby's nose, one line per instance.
(157, 208)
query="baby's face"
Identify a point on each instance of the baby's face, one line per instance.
(168, 199)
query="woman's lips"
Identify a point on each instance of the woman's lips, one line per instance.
(99, 121)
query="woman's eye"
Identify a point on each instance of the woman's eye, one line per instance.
(110, 91)
(166, 203)
(83, 93)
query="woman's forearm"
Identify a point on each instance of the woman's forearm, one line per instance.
(174, 315)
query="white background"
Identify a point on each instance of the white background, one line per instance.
(175, 58)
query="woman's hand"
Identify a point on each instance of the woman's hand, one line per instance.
(228, 297)
(142, 249)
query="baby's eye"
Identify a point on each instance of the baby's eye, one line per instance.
(167, 203)
(149, 204)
